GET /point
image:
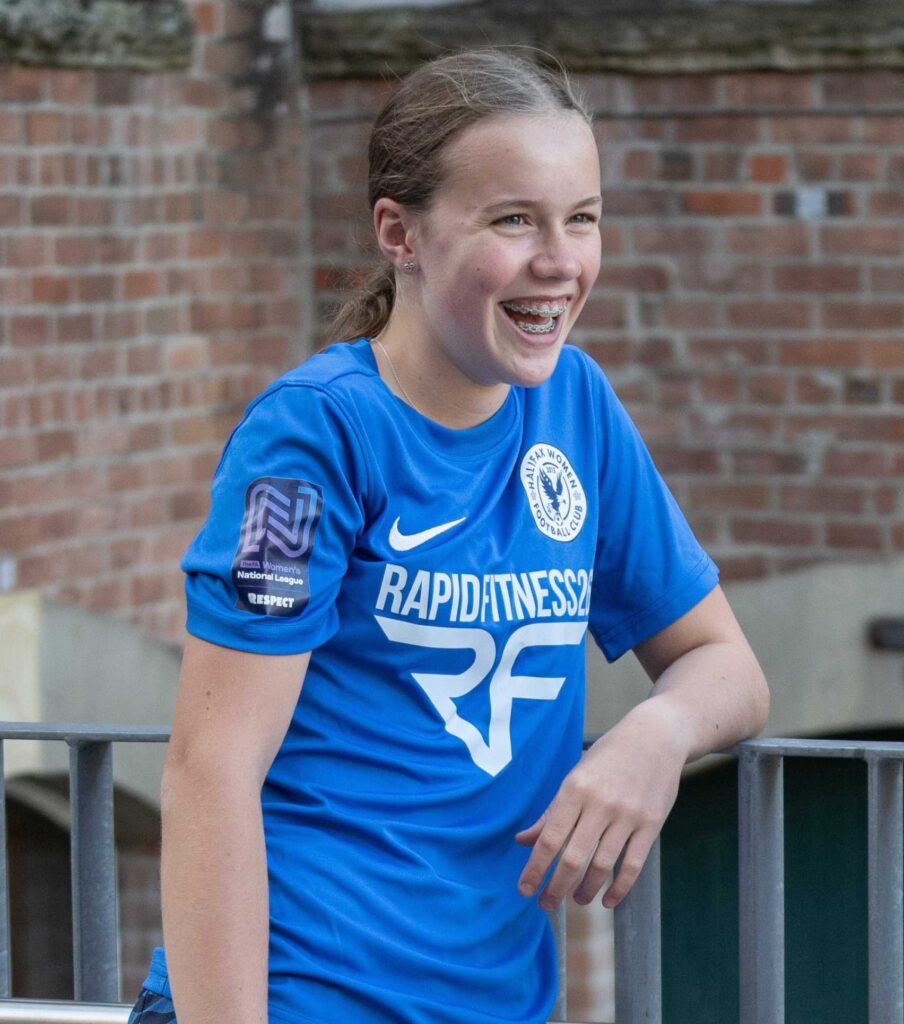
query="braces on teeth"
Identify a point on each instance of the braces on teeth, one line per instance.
(545, 310)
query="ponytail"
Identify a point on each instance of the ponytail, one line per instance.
(366, 313)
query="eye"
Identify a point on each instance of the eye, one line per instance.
(515, 220)
(586, 218)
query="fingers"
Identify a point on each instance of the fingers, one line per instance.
(636, 852)
(528, 836)
(547, 840)
(585, 858)
(601, 864)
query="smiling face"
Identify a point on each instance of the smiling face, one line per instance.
(506, 256)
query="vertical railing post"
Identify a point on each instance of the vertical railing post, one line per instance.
(558, 920)
(94, 918)
(4, 888)
(762, 888)
(638, 949)
(886, 910)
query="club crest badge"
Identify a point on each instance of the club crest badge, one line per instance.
(554, 492)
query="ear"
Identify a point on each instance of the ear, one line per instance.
(394, 227)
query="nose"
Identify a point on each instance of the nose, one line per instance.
(557, 257)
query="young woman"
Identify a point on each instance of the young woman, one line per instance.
(375, 784)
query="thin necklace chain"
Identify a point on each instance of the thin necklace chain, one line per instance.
(405, 394)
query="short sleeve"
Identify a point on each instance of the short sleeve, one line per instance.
(649, 568)
(286, 510)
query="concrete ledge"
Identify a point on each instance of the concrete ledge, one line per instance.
(643, 37)
(147, 35)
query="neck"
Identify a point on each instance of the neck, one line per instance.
(419, 373)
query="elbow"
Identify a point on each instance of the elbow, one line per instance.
(760, 701)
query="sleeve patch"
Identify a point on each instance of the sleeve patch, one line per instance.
(270, 568)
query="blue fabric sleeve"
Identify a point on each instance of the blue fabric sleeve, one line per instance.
(649, 568)
(264, 571)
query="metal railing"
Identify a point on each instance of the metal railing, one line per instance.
(638, 975)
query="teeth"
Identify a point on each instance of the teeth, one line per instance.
(543, 310)
(544, 328)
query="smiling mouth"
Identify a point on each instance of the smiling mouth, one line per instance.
(535, 319)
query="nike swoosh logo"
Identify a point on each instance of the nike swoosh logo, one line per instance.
(406, 541)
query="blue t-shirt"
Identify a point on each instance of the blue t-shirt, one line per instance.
(444, 580)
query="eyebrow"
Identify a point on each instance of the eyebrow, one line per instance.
(590, 200)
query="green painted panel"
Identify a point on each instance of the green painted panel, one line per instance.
(825, 894)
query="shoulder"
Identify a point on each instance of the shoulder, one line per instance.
(305, 412)
(314, 393)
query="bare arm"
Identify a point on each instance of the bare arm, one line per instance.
(232, 713)
(708, 693)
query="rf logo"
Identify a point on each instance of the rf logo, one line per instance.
(442, 688)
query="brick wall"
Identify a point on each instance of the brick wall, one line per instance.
(749, 310)
(149, 280)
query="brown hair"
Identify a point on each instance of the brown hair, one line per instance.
(431, 106)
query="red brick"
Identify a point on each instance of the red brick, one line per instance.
(672, 91)
(12, 211)
(686, 460)
(94, 211)
(723, 203)
(769, 314)
(826, 277)
(885, 354)
(813, 165)
(732, 351)
(886, 279)
(50, 210)
(886, 500)
(822, 498)
(47, 288)
(95, 287)
(769, 89)
(863, 315)
(75, 251)
(90, 129)
(11, 132)
(768, 389)
(718, 128)
(73, 88)
(652, 238)
(730, 496)
(870, 240)
(755, 462)
(45, 128)
(141, 284)
(802, 130)
(76, 327)
(860, 536)
(689, 314)
(773, 531)
(724, 165)
(607, 313)
(882, 131)
(739, 567)
(29, 330)
(55, 444)
(636, 164)
(18, 450)
(768, 167)
(769, 239)
(23, 84)
(859, 166)
(822, 352)
(721, 388)
(114, 87)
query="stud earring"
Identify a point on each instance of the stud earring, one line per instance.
(408, 266)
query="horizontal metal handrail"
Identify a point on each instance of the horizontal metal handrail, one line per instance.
(52, 1011)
